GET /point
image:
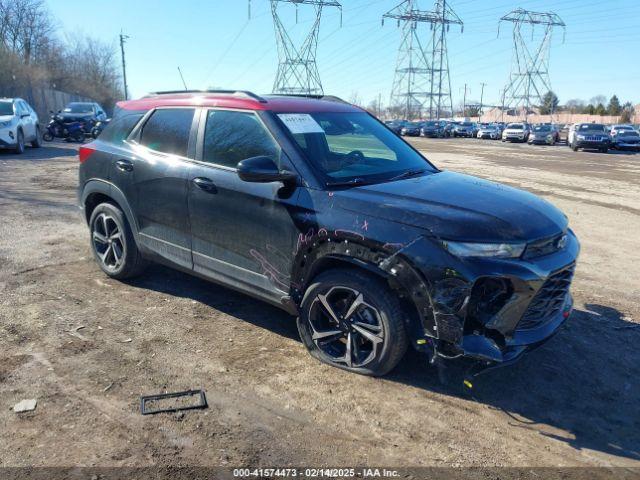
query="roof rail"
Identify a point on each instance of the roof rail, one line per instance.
(245, 93)
(328, 98)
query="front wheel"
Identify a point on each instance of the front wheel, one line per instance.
(47, 136)
(574, 147)
(19, 142)
(352, 320)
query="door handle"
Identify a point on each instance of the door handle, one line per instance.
(205, 184)
(124, 165)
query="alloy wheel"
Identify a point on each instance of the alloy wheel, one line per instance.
(346, 328)
(108, 241)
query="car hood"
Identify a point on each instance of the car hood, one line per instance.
(457, 207)
(75, 116)
(513, 131)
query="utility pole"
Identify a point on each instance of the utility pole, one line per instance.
(481, 97)
(464, 102)
(123, 39)
(421, 78)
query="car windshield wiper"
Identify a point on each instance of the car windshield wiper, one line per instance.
(407, 174)
(352, 182)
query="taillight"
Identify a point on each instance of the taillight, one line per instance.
(85, 152)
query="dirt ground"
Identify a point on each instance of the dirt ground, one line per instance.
(86, 347)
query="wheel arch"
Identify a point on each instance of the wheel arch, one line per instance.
(96, 192)
(345, 253)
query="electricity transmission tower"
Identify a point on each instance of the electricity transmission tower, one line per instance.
(297, 68)
(529, 79)
(422, 74)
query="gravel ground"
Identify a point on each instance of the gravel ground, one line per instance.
(86, 347)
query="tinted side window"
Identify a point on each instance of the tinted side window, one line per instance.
(234, 136)
(120, 128)
(168, 130)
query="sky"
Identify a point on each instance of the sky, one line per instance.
(216, 45)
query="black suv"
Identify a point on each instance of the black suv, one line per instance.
(317, 207)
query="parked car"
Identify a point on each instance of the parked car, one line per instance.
(435, 129)
(489, 131)
(465, 129)
(626, 140)
(396, 125)
(19, 125)
(370, 245)
(590, 136)
(516, 132)
(411, 129)
(544, 134)
(86, 112)
(616, 129)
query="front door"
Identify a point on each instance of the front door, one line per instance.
(242, 233)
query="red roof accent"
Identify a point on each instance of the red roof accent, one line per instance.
(273, 103)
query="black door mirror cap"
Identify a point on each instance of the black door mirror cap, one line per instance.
(263, 169)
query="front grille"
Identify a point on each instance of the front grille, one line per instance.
(592, 138)
(548, 301)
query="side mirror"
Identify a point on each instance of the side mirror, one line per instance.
(263, 170)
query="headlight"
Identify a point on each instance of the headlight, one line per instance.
(581, 137)
(498, 250)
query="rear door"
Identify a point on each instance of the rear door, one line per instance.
(242, 233)
(158, 165)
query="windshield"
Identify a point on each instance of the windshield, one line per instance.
(542, 128)
(466, 124)
(353, 147)
(592, 127)
(431, 124)
(515, 126)
(78, 108)
(6, 108)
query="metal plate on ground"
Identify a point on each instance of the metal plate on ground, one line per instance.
(180, 404)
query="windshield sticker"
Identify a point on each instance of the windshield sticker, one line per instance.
(300, 123)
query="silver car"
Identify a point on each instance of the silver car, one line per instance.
(18, 125)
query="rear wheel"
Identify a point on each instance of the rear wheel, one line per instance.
(352, 320)
(47, 137)
(37, 141)
(19, 142)
(113, 244)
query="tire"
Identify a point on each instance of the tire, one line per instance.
(376, 348)
(115, 250)
(19, 149)
(604, 150)
(78, 137)
(47, 137)
(37, 142)
(574, 147)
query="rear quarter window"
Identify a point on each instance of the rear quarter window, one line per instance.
(120, 128)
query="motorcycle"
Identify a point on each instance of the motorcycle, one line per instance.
(99, 127)
(57, 128)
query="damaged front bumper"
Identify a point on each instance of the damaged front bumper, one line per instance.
(490, 309)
